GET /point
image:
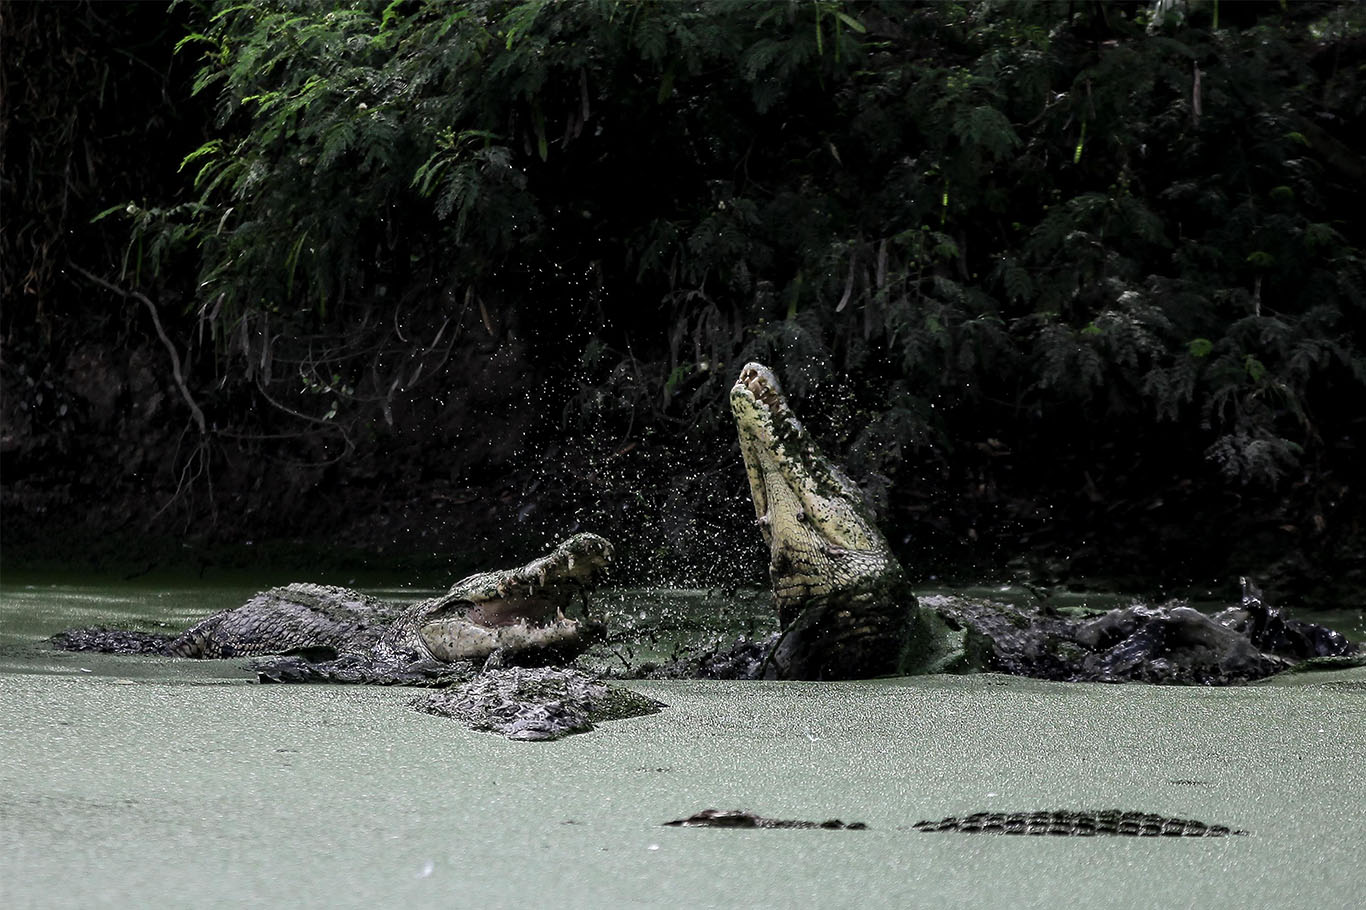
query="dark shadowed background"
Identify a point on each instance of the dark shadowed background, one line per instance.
(1073, 288)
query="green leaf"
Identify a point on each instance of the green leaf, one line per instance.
(985, 126)
(1018, 284)
(1319, 235)
(292, 261)
(1200, 347)
(390, 13)
(121, 207)
(520, 19)
(212, 147)
(194, 38)
(851, 22)
(676, 375)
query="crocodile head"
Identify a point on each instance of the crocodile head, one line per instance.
(821, 538)
(518, 612)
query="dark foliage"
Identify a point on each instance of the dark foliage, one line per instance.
(1075, 277)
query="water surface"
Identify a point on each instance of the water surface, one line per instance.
(149, 781)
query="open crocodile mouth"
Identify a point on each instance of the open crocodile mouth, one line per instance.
(762, 386)
(520, 621)
(521, 610)
(760, 407)
(460, 639)
(541, 608)
(793, 487)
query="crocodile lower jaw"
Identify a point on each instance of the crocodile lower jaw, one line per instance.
(460, 639)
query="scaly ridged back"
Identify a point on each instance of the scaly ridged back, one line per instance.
(1077, 823)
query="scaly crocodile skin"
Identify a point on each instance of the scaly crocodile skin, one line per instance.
(512, 611)
(1077, 824)
(841, 596)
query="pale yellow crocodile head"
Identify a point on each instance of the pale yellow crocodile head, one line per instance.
(822, 540)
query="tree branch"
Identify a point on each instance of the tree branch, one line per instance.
(165, 340)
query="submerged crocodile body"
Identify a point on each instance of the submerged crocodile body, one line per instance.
(846, 611)
(1055, 822)
(739, 818)
(536, 703)
(504, 620)
(1077, 824)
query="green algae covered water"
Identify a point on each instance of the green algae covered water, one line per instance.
(149, 781)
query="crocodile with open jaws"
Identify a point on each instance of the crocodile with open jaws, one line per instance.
(845, 608)
(512, 622)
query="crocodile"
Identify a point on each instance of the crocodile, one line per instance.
(536, 703)
(741, 818)
(511, 623)
(516, 614)
(1074, 823)
(845, 607)
(843, 600)
(1078, 824)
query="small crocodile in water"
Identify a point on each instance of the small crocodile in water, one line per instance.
(845, 608)
(1057, 822)
(1078, 824)
(513, 617)
(739, 818)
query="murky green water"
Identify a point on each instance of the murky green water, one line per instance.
(148, 781)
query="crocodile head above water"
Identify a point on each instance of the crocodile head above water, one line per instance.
(841, 595)
(821, 538)
(515, 611)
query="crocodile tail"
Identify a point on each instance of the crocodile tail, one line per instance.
(111, 641)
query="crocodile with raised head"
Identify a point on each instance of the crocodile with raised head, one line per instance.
(842, 598)
(845, 609)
